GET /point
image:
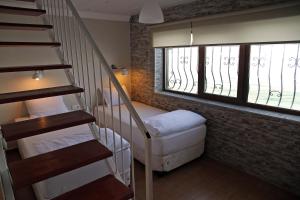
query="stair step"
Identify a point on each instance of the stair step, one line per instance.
(30, 44)
(32, 170)
(34, 68)
(18, 130)
(106, 188)
(18, 26)
(21, 11)
(38, 93)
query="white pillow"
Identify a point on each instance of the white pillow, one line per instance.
(114, 94)
(46, 106)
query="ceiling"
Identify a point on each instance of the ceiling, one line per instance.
(120, 10)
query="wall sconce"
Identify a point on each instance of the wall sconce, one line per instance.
(124, 70)
(38, 75)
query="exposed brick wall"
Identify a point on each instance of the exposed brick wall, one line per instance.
(266, 147)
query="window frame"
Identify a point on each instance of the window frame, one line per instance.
(243, 78)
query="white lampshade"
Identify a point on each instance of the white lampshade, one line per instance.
(151, 13)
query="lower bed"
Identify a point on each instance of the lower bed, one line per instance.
(60, 184)
(168, 152)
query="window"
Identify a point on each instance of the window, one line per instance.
(182, 69)
(262, 75)
(221, 70)
(273, 77)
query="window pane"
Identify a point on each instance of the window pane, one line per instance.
(182, 69)
(221, 70)
(274, 80)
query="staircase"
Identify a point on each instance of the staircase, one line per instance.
(61, 18)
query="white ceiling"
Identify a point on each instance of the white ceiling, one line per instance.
(120, 10)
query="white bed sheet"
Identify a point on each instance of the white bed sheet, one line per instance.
(161, 146)
(60, 184)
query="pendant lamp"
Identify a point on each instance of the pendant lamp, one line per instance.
(151, 13)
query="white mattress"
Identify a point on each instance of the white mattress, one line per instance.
(60, 184)
(161, 146)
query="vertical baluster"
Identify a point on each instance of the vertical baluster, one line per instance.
(47, 8)
(103, 100)
(54, 20)
(42, 4)
(70, 40)
(56, 8)
(97, 98)
(88, 71)
(112, 120)
(62, 41)
(65, 31)
(132, 182)
(48, 13)
(81, 63)
(76, 52)
(60, 30)
(121, 135)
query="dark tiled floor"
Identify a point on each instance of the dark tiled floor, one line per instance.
(205, 179)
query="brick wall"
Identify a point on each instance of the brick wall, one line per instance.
(267, 147)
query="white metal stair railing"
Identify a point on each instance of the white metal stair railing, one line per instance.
(5, 179)
(91, 71)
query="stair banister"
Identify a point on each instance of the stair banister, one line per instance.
(84, 31)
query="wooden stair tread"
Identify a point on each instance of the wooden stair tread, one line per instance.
(33, 68)
(18, 130)
(106, 188)
(32, 170)
(21, 11)
(38, 93)
(19, 26)
(33, 44)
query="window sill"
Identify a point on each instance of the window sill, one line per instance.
(266, 113)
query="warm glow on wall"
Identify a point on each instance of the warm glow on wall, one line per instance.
(123, 78)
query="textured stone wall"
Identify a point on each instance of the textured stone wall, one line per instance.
(267, 147)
